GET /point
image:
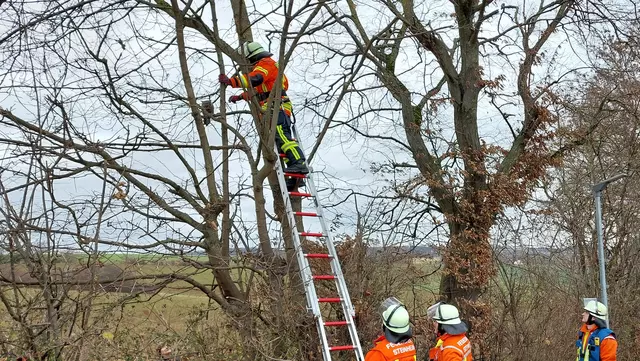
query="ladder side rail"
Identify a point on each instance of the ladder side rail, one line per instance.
(303, 263)
(347, 307)
(335, 263)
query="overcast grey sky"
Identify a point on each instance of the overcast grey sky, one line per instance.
(344, 158)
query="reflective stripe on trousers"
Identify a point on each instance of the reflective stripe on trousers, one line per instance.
(285, 142)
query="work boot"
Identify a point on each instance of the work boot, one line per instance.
(294, 183)
(298, 167)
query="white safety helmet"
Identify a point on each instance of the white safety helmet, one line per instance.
(448, 316)
(395, 319)
(253, 51)
(596, 309)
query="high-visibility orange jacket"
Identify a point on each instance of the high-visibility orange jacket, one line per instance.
(262, 78)
(387, 351)
(451, 348)
(607, 347)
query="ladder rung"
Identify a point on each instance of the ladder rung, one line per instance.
(311, 234)
(306, 214)
(295, 175)
(330, 299)
(298, 194)
(324, 277)
(317, 255)
(342, 348)
(335, 323)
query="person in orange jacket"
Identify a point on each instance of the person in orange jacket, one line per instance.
(263, 78)
(596, 342)
(395, 344)
(452, 343)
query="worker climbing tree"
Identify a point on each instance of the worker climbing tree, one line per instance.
(262, 78)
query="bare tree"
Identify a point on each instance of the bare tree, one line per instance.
(611, 100)
(50, 273)
(112, 92)
(444, 65)
(123, 107)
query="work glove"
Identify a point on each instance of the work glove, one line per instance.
(223, 79)
(235, 98)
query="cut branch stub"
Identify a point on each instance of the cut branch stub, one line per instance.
(207, 111)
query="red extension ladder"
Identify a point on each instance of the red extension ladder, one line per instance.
(309, 279)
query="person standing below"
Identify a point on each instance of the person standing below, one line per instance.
(452, 343)
(595, 341)
(263, 78)
(395, 344)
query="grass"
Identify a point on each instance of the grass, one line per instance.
(169, 315)
(123, 258)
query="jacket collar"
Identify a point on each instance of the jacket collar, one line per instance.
(379, 339)
(588, 328)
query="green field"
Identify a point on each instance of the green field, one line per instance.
(180, 314)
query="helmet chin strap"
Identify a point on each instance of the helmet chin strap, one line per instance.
(592, 320)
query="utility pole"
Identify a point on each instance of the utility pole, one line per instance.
(597, 193)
